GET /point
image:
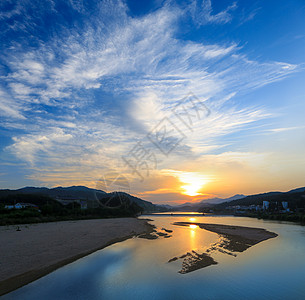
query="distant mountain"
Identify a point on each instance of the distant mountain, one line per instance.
(73, 192)
(165, 207)
(294, 197)
(302, 189)
(92, 196)
(221, 200)
(235, 197)
(146, 205)
(191, 206)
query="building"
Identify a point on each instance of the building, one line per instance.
(9, 206)
(258, 208)
(285, 206)
(21, 205)
(265, 205)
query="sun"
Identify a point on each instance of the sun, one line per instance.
(193, 183)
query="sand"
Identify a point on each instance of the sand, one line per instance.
(239, 238)
(232, 239)
(39, 249)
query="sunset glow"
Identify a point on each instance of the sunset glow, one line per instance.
(172, 101)
(193, 183)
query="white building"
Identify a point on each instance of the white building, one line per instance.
(265, 205)
(285, 206)
(21, 205)
(9, 206)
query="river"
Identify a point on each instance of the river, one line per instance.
(139, 268)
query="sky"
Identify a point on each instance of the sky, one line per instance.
(172, 101)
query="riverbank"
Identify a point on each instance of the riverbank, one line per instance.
(297, 218)
(35, 250)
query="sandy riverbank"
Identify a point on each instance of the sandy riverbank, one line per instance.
(238, 238)
(39, 249)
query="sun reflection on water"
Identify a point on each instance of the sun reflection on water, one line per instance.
(193, 241)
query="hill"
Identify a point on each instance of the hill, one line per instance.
(197, 206)
(65, 195)
(295, 199)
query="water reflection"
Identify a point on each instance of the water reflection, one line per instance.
(138, 268)
(193, 236)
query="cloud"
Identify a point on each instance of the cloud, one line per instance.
(124, 57)
(8, 108)
(202, 13)
(249, 15)
(86, 94)
(34, 147)
(283, 129)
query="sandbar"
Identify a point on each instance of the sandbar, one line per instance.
(232, 239)
(239, 238)
(39, 249)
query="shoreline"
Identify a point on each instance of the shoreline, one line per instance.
(65, 249)
(244, 237)
(233, 239)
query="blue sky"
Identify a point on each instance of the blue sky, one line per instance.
(83, 82)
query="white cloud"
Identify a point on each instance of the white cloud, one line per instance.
(33, 148)
(8, 108)
(283, 129)
(202, 13)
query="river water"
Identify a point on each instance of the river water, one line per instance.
(139, 268)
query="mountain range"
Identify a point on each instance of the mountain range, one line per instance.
(195, 206)
(295, 198)
(77, 193)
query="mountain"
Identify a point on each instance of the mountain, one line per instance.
(191, 206)
(235, 197)
(73, 192)
(294, 197)
(146, 205)
(93, 197)
(221, 200)
(302, 189)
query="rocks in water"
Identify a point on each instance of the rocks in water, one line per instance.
(162, 234)
(148, 236)
(167, 230)
(155, 234)
(173, 259)
(194, 261)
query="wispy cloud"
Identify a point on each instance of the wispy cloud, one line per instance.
(283, 129)
(8, 107)
(202, 13)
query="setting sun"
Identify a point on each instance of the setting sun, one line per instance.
(193, 183)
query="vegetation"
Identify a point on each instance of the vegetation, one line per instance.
(288, 217)
(251, 206)
(50, 210)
